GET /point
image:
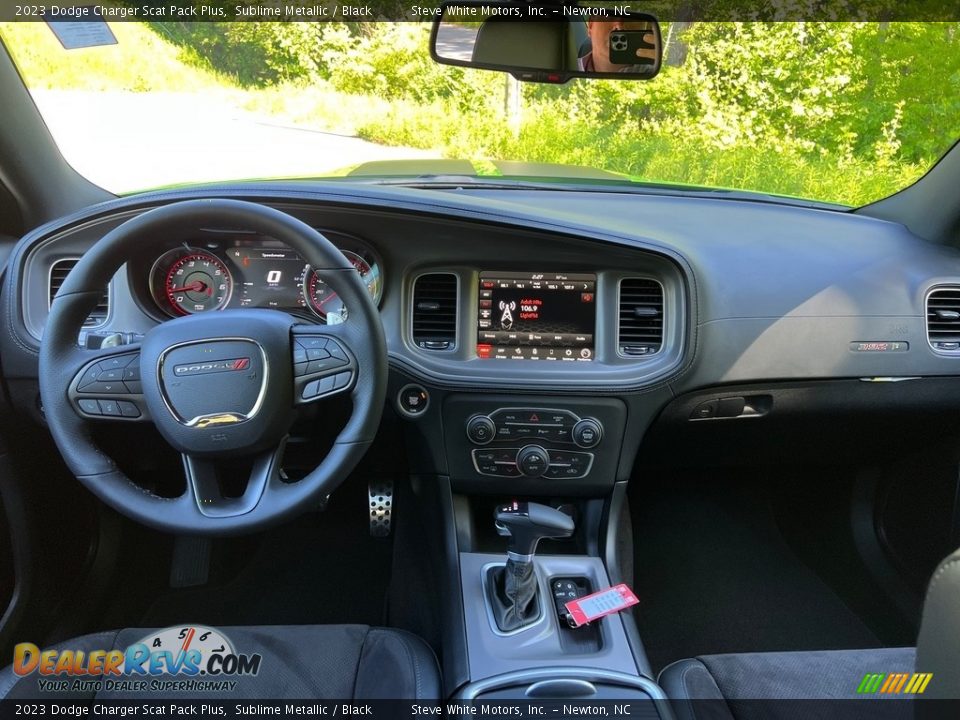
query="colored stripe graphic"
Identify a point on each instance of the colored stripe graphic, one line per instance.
(870, 683)
(894, 683)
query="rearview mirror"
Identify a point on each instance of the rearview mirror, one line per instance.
(548, 42)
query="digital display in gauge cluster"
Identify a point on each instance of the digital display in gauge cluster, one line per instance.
(256, 274)
(269, 277)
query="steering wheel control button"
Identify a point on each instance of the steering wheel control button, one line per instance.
(319, 366)
(481, 430)
(314, 355)
(413, 400)
(118, 362)
(312, 342)
(105, 388)
(310, 390)
(533, 460)
(109, 407)
(337, 352)
(128, 409)
(323, 386)
(106, 376)
(115, 375)
(587, 433)
(89, 406)
(299, 354)
(89, 376)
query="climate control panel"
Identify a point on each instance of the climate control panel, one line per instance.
(533, 444)
(532, 461)
(535, 427)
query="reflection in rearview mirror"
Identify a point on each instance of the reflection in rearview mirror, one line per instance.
(548, 42)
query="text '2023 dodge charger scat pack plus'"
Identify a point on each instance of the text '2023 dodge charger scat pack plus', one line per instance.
(480, 359)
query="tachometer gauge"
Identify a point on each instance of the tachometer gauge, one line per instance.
(197, 281)
(326, 303)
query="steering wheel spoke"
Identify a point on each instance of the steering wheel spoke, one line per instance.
(205, 482)
(323, 365)
(107, 385)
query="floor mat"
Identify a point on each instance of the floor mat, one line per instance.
(714, 575)
(318, 569)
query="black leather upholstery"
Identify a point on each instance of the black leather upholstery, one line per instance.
(938, 647)
(338, 662)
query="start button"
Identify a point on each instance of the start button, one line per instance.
(413, 400)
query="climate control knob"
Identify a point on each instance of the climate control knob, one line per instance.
(533, 460)
(480, 429)
(587, 433)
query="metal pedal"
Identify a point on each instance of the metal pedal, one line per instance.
(381, 507)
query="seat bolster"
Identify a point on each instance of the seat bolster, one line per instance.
(939, 630)
(690, 680)
(396, 665)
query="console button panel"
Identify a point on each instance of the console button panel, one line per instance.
(561, 464)
(533, 444)
(534, 424)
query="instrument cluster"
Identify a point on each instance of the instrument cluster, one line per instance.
(207, 274)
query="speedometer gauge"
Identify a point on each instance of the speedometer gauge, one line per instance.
(197, 281)
(326, 303)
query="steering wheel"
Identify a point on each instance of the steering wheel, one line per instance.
(216, 385)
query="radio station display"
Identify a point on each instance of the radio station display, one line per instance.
(537, 316)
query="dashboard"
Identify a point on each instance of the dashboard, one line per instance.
(520, 316)
(579, 292)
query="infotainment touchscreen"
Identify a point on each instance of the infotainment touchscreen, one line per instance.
(536, 316)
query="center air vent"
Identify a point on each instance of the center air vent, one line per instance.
(943, 319)
(640, 332)
(435, 311)
(58, 273)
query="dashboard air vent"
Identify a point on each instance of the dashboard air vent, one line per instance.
(640, 331)
(435, 311)
(58, 273)
(943, 319)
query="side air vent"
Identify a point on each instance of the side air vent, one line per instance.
(435, 311)
(943, 319)
(58, 273)
(640, 331)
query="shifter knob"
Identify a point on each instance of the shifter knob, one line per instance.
(526, 523)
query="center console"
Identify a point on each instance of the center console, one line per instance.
(525, 425)
(522, 642)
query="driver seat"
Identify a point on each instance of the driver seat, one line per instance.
(339, 662)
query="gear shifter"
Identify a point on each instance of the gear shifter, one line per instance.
(512, 589)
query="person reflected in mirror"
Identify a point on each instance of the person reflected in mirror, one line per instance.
(598, 58)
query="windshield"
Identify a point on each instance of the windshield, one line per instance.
(838, 112)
